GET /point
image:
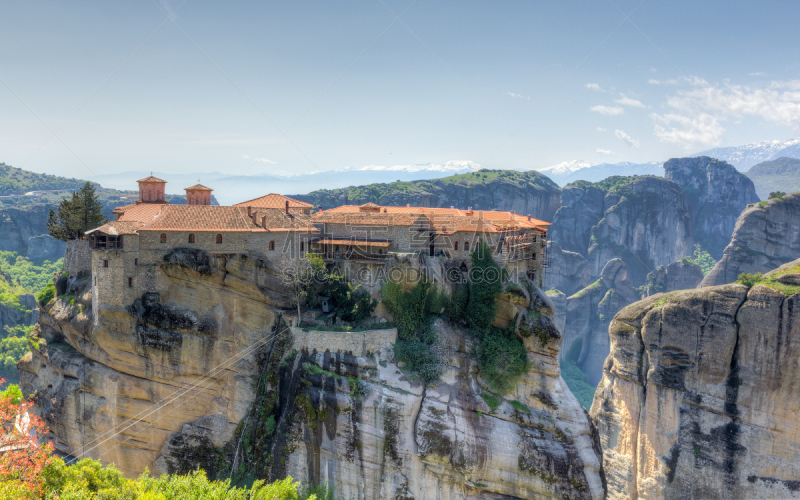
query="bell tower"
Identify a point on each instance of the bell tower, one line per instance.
(151, 190)
(198, 195)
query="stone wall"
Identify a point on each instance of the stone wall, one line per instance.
(358, 343)
(78, 258)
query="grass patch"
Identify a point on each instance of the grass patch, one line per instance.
(491, 400)
(519, 406)
(347, 328)
(771, 281)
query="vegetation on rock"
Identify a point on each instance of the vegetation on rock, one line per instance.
(77, 215)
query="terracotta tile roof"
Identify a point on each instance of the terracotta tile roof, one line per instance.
(117, 227)
(141, 212)
(121, 209)
(216, 218)
(151, 179)
(492, 215)
(198, 187)
(273, 200)
(369, 218)
(451, 224)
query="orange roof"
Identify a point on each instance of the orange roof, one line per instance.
(198, 187)
(369, 218)
(117, 227)
(140, 212)
(273, 200)
(487, 214)
(152, 179)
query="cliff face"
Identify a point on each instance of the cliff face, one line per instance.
(568, 272)
(717, 193)
(589, 311)
(681, 275)
(520, 192)
(764, 238)
(206, 375)
(17, 225)
(699, 396)
(582, 207)
(646, 224)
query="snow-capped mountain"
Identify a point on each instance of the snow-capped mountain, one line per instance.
(570, 171)
(744, 157)
(449, 168)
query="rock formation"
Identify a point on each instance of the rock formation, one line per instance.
(589, 312)
(681, 275)
(582, 207)
(568, 271)
(207, 375)
(717, 193)
(699, 397)
(17, 225)
(767, 234)
(520, 192)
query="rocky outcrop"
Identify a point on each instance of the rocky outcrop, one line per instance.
(568, 271)
(717, 193)
(205, 375)
(18, 225)
(520, 192)
(767, 235)
(699, 397)
(45, 247)
(582, 207)
(681, 275)
(647, 223)
(589, 312)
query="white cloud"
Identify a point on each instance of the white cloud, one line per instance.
(517, 96)
(630, 141)
(594, 86)
(671, 81)
(697, 113)
(601, 129)
(606, 152)
(607, 110)
(261, 160)
(629, 101)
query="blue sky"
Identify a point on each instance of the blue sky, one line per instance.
(297, 87)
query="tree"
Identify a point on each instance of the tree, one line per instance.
(22, 458)
(300, 275)
(77, 215)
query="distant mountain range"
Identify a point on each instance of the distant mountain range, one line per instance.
(571, 171)
(781, 174)
(744, 157)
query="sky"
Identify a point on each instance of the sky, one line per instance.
(89, 88)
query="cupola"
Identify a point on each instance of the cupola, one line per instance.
(198, 195)
(151, 190)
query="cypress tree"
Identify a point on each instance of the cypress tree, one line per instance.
(77, 215)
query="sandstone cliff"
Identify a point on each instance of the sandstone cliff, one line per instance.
(589, 312)
(699, 397)
(207, 375)
(766, 235)
(717, 193)
(520, 192)
(568, 271)
(681, 275)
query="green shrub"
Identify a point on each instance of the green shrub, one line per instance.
(354, 305)
(13, 392)
(421, 358)
(578, 382)
(749, 279)
(46, 294)
(703, 259)
(491, 400)
(486, 283)
(776, 195)
(502, 358)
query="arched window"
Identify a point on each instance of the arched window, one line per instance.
(455, 246)
(466, 246)
(302, 246)
(272, 245)
(219, 239)
(163, 237)
(191, 237)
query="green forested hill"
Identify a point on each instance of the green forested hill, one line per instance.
(15, 181)
(782, 174)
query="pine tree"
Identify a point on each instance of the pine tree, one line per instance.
(77, 215)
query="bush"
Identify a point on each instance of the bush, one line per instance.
(47, 294)
(486, 283)
(502, 358)
(578, 382)
(776, 195)
(422, 359)
(749, 279)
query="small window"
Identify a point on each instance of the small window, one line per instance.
(135, 262)
(163, 237)
(105, 263)
(272, 245)
(302, 246)
(466, 246)
(219, 239)
(130, 282)
(191, 237)
(455, 246)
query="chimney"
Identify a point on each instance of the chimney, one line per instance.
(529, 217)
(408, 205)
(249, 211)
(287, 206)
(264, 221)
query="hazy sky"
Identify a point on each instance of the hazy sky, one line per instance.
(299, 86)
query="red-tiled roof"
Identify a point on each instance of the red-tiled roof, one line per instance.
(491, 215)
(369, 218)
(152, 179)
(141, 212)
(117, 227)
(198, 187)
(273, 200)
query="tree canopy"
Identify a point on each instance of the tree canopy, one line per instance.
(77, 215)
